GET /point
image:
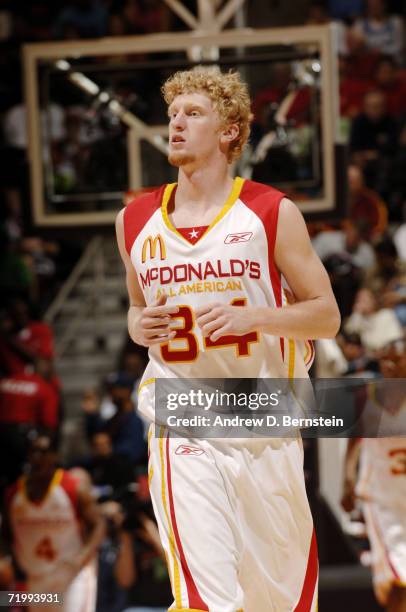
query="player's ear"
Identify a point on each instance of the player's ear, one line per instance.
(229, 133)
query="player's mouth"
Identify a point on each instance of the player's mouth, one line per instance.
(177, 139)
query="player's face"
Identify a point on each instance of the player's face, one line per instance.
(194, 130)
(41, 456)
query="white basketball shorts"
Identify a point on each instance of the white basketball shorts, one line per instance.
(386, 528)
(80, 596)
(235, 524)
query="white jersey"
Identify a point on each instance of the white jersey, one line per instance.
(383, 460)
(46, 532)
(232, 262)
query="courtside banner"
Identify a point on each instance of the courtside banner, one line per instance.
(271, 407)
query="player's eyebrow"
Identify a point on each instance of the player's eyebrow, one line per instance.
(188, 107)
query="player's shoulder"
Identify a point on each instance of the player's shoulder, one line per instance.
(12, 491)
(138, 212)
(258, 194)
(263, 201)
(147, 200)
(72, 486)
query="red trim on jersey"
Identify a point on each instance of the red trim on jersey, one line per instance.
(195, 601)
(310, 581)
(71, 487)
(264, 201)
(10, 493)
(138, 212)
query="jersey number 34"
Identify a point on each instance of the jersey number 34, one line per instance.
(190, 352)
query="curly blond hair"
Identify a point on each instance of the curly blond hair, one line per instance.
(228, 93)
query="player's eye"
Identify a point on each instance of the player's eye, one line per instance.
(194, 113)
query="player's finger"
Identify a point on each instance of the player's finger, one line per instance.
(206, 318)
(151, 322)
(161, 339)
(212, 326)
(202, 310)
(222, 331)
(152, 333)
(161, 301)
(159, 311)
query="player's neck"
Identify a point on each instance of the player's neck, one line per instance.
(37, 485)
(203, 188)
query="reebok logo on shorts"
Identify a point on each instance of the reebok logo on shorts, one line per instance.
(183, 449)
(240, 237)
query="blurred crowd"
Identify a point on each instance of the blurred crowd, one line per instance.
(365, 256)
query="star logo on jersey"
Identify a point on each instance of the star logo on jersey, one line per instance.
(193, 451)
(193, 234)
(238, 237)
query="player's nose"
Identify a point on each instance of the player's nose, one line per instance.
(178, 120)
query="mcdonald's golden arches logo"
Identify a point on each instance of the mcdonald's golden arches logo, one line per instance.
(152, 243)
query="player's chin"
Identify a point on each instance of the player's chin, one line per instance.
(179, 159)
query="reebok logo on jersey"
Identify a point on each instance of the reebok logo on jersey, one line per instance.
(183, 449)
(239, 237)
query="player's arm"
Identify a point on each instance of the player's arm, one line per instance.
(147, 325)
(314, 312)
(350, 473)
(90, 515)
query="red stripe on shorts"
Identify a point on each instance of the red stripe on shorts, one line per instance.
(195, 601)
(310, 581)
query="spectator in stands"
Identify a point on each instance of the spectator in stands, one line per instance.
(373, 142)
(82, 18)
(399, 237)
(109, 471)
(353, 89)
(397, 184)
(140, 566)
(347, 10)
(376, 326)
(124, 426)
(23, 338)
(388, 266)
(27, 401)
(361, 60)
(16, 277)
(373, 132)
(358, 363)
(382, 31)
(317, 14)
(367, 210)
(348, 242)
(389, 81)
(33, 21)
(140, 17)
(395, 297)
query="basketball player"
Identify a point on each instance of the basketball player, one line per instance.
(47, 514)
(382, 481)
(206, 261)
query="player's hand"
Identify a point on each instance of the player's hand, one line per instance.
(153, 326)
(217, 319)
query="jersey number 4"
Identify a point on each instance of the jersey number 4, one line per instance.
(45, 550)
(190, 352)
